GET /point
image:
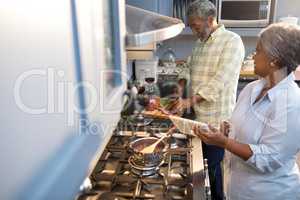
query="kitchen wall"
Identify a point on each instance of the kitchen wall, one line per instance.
(183, 44)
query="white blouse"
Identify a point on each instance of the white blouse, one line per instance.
(271, 127)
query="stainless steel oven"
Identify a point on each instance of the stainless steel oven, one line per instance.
(246, 13)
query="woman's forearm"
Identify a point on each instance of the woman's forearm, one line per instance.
(239, 149)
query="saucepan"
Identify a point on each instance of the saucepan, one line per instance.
(138, 120)
(148, 159)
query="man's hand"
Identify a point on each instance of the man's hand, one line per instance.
(184, 104)
(179, 62)
(177, 107)
(195, 99)
(188, 103)
(180, 105)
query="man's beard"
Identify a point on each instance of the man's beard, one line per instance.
(203, 36)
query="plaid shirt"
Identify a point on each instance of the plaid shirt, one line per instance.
(214, 72)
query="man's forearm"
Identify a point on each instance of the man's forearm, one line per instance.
(195, 99)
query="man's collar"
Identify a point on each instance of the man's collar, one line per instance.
(220, 28)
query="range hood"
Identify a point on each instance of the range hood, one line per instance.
(145, 27)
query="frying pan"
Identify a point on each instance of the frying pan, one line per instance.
(149, 159)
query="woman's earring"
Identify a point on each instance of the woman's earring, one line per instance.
(272, 64)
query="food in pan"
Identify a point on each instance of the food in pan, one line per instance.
(156, 114)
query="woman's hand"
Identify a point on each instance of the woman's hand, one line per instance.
(214, 136)
(225, 128)
(220, 138)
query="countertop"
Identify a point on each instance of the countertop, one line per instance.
(249, 74)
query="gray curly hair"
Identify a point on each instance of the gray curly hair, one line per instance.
(281, 42)
(202, 8)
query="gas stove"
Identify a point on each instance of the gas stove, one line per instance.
(180, 176)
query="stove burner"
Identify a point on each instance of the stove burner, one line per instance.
(176, 143)
(109, 196)
(177, 140)
(119, 175)
(139, 120)
(143, 171)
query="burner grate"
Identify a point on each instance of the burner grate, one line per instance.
(116, 174)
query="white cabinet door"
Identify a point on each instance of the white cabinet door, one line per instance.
(164, 7)
(145, 4)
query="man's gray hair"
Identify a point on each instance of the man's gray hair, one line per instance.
(202, 8)
(281, 42)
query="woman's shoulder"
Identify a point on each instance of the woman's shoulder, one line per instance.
(248, 88)
(294, 95)
(252, 84)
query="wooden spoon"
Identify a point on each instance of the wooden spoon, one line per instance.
(151, 148)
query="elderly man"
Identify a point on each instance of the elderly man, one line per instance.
(214, 65)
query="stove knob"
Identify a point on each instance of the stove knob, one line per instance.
(188, 192)
(86, 185)
(206, 181)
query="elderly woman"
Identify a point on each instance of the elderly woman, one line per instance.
(264, 137)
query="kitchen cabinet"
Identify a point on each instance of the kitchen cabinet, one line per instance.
(152, 5)
(166, 7)
(60, 95)
(163, 7)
